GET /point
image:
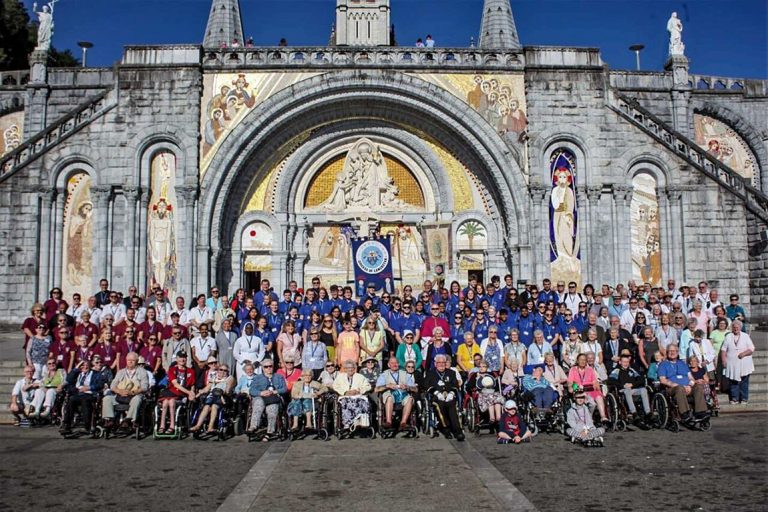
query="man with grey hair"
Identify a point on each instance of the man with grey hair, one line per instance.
(443, 386)
(128, 387)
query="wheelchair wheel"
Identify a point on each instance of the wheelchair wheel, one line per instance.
(470, 412)
(661, 408)
(621, 425)
(322, 434)
(674, 426)
(612, 410)
(705, 425)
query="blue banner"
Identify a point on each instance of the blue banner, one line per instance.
(373, 264)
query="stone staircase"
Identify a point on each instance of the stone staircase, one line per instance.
(10, 372)
(37, 145)
(628, 108)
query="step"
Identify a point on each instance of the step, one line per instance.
(753, 406)
(11, 364)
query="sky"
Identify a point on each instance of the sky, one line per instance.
(724, 38)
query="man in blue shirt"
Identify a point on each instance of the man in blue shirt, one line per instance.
(675, 375)
(407, 322)
(258, 298)
(735, 311)
(526, 324)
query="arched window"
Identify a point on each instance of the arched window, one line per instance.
(564, 249)
(77, 257)
(646, 234)
(161, 223)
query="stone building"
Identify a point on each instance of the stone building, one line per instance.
(221, 163)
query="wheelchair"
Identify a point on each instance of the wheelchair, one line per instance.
(181, 416)
(431, 416)
(343, 432)
(538, 421)
(475, 419)
(281, 428)
(89, 429)
(667, 415)
(225, 422)
(141, 428)
(411, 429)
(318, 429)
(618, 412)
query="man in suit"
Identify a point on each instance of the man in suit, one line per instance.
(84, 386)
(445, 392)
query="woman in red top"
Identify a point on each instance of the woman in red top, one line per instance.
(106, 349)
(153, 356)
(150, 326)
(30, 324)
(51, 306)
(181, 384)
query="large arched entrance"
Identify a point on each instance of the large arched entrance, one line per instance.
(447, 166)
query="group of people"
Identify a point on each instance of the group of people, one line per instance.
(426, 43)
(288, 350)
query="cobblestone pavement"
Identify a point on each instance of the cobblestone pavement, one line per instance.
(725, 469)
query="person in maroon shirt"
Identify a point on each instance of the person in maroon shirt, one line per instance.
(152, 354)
(168, 332)
(435, 320)
(63, 350)
(88, 329)
(52, 305)
(130, 321)
(106, 349)
(82, 351)
(128, 344)
(150, 326)
(30, 324)
(181, 383)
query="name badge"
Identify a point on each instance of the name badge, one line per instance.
(679, 376)
(440, 383)
(525, 332)
(59, 357)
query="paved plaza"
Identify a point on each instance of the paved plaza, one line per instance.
(724, 469)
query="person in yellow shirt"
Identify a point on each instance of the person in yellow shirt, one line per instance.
(466, 352)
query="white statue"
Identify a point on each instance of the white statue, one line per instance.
(675, 29)
(364, 183)
(45, 28)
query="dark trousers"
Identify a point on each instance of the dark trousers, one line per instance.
(447, 416)
(85, 402)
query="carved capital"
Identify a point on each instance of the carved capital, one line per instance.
(622, 193)
(187, 193)
(46, 195)
(538, 193)
(131, 193)
(101, 195)
(674, 194)
(593, 193)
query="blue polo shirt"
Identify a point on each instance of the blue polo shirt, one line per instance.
(676, 372)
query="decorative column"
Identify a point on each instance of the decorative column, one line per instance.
(131, 196)
(184, 266)
(38, 91)
(622, 196)
(141, 235)
(101, 197)
(681, 92)
(596, 273)
(58, 231)
(676, 247)
(45, 205)
(540, 236)
(301, 246)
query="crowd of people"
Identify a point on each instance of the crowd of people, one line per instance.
(287, 350)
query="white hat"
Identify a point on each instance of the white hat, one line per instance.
(510, 404)
(407, 332)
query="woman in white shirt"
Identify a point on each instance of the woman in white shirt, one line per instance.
(248, 348)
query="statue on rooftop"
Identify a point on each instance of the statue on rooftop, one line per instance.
(675, 29)
(45, 28)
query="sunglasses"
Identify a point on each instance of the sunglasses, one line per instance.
(266, 366)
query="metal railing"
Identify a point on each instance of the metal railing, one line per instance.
(688, 150)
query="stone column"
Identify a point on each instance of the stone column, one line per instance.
(186, 240)
(101, 197)
(622, 195)
(676, 247)
(141, 236)
(680, 94)
(131, 196)
(595, 237)
(301, 245)
(38, 91)
(539, 238)
(58, 232)
(45, 203)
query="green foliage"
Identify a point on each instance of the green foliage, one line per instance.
(62, 59)
(16, 38)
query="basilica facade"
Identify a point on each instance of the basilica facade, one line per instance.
(187, 166)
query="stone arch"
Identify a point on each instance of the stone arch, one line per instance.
(147, 152)
(660, 164)
(744, 129)
(287, 190)
(323, 99)
(147, 142)
(568, 137)
(68, 167)
(278, 243)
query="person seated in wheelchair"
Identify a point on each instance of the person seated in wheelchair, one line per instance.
(84, 386)
(629, 383)
(539, 390)
(128, 387)
(329, 374)
(266, 391)
(395, 386)
(352, 389)
(486, 390)
(554, 373)
(444, 385)
(181, 385)
(417, 374)
(512, 428)
(511, 379)
(303, 395)
(581, 428)
(583, 378)
(27, 396)
(370, 370)
(701, 377)
(676, 378)
(213, 397)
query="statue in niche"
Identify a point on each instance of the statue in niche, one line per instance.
(564, 203)
(77, 237)
(675, 29)
(162, 253)
(364, 183)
